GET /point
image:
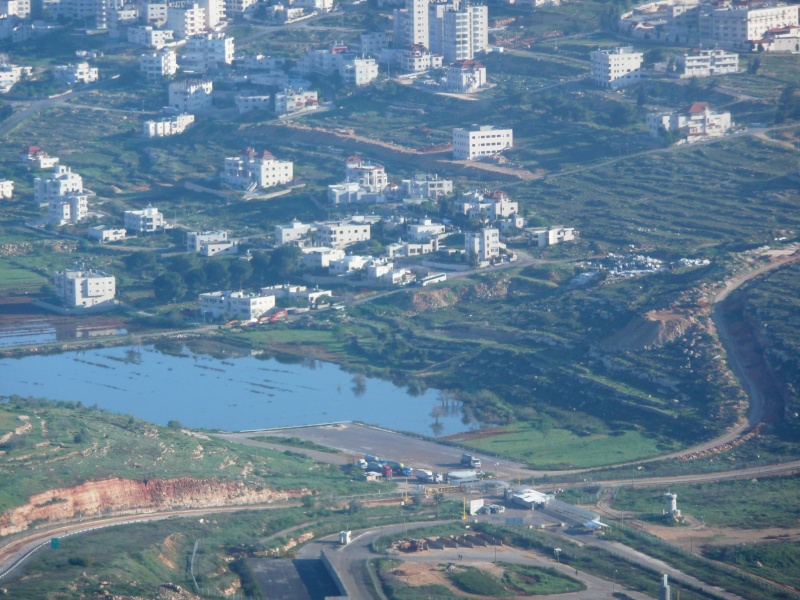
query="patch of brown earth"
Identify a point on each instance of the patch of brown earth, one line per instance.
(128, 496)
(654, 330)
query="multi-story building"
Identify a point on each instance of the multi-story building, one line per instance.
(466, 77)
(214, 12)
(697, 122)
(6, 188)
(478, 141)
(549, 236)
(103, 234)
(54, 188)
(77, 73)
(159, 64)
(234, 8)
(483, 245)
(196, 239)
(249, 103)
(11, 74)
(369, 176)
(168, 126)
(425, 230)
(69, 209)
(186, 19)
(617, 67)
(235, 305)
(702, 63)
(147, 36)
(293, 233)
(416, 59)
(349, 192)
(290, 101)
(191, 96)
(84, 289)
(207, 51)
(156, 13)
(339, 234)
(465, 32)
(427, 186)
(411, 24)
(37, 157)
(148, 220)
(373, 43)
(490, 205)
(320, 258)
(737, 26)
(352, 69)
(358, 71)
(251, 170)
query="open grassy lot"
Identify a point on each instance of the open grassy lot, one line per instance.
(753, 504)
(777, 561)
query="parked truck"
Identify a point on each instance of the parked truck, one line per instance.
(425, 476)
(386, 472)
(375, 467)
(397, 467)
(371, 459)
(468, 460)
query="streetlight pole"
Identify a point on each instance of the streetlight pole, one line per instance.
(614, 584)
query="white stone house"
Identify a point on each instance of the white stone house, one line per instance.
(147, 220)
(703, 63)
(617, 67)
(426, 186)
(196, 239)
(425, 230)
(696, 122)
(37, 157)
(550, 236)
(235, 305)
(159, 64)
(6, 188)
(84, 289)
(207, 51)
(371, 177)
(251, 170)
(493, 205)
(11, 74)
(320, 257)
(245, 104)
(104, 234)
(77, 73)
(150, 37)
(290, 101)
(340, 234)
(191, 96)
(483, 245)
(466, 77)
(168, 126)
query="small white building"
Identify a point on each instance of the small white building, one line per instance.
(292, 233)
(207, 51)
(245, 104)
(291, 101)
(425, 230)
(191, 96)
(148, 220)
(779, 39)
(77, 73)
(370, 177)
(340, 234)
(103, 234)
(37, 157)
(466, 77)
(417, 59)
(617, 67)
(348, 264)
(320, 258)
(483, 140)
(209, 249)
(6, 188)
(149, 37)
(427, 186)
(297, 292)
(167, 126)
(550, 236)
(251, 170)
(159, 64)
(483, 245)
(84, 289)
(703, 63)
(196, 239)
(235, 305)
(11, 74)
(489, 205)
(697, 122)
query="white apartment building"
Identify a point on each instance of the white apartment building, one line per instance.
(245, 104)
(348, 264)
(358, 71)
(417, 59)
(340, 234)
(370, 177)
(191, 96)
(37, 157)
(103, 234)
(411, 24)
(196, 239)
(207, 51)
(465, 32)
(703, 63)
(148, 220)
(427, 186)
(483, 245)
(466, 77)
(549, 236)
(291, 101)
(478, 141)
(77, 73)
(168, 126)
(235, 305)
(159, 64)
(69, 209)
(6, 188)
(155, 13)
(11, 74)
(259, 62)
(147, 36)
(299, 292)
(697, 122)
(84, 289)
(186, 20)
(373, 43)
(320, 258)
(424, 231)
(616, 68)
(737, 26)
(62, 182)
(292, 233)
(214, 12)
(349, 192)
(251, 171)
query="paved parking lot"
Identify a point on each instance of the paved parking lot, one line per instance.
(293, 579)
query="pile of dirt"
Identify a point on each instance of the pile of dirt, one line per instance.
(654, 330)
(490, 289)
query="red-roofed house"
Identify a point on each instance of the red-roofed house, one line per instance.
(37, 157)
(466, 77)
(698, 122)
(250, 171)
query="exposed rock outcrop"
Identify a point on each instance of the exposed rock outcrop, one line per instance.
(127, 496)
(654, 330)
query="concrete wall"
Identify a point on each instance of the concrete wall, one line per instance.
(334, 575)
